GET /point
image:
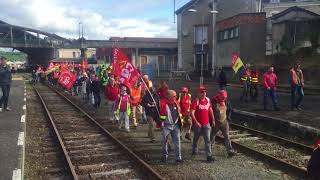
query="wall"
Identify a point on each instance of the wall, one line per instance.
(252, 42)
(69, 53)
(186, 22)
(229, 8)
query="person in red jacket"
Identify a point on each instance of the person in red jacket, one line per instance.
(162, 91)
(270, 82)
(185, 104)
(111, 93)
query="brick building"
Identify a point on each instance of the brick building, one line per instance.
(239, 25)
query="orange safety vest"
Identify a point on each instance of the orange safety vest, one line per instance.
(295, 76)
(136, 95)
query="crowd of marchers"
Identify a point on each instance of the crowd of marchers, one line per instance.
(177, 114)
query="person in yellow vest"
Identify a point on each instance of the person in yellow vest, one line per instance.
(122, 108)
(296, 81)
(254, 82)
(185, 104)
(245, 79)
(136, 102)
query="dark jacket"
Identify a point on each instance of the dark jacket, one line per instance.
(5, 75)
(222, 80)
(314, 165)
(151, 111)
(96, 86)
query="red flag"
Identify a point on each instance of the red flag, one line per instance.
(67, 79)
(123, 69)
(235, 58)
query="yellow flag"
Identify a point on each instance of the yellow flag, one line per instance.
(237, 65)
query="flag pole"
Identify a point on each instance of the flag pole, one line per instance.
(151, 96)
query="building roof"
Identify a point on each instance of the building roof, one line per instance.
(186, 6)
(242, 18)
(294, 13)
(143, 39)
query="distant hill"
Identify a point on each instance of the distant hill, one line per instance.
(13, 56)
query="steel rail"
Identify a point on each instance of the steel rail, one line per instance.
(151, 173)
(287, 142)
(65, 152)
(271, 160)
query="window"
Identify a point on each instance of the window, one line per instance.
(274, 1)
(236, 32)
(226, 34)
(201, 34)
(161, 63)
(231, 33)
(74, 54)
(143, 60)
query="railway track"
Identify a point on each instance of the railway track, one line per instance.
(286, 155)
(281, 153)
(90, 150)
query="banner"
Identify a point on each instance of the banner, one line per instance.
(51, 68)
(67, 79)
(236, 62)
(123, 69)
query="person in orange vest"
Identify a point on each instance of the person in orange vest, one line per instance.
(170, 115)
(122, 108)
(314, 162)
(136, 101)
(245, 79)
(296, 81)
(185, 104)
(254, 84)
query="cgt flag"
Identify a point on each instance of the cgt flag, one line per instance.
(67, 79)
(123, 69)
(236, 62)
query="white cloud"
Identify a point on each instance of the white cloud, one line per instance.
(54, 17)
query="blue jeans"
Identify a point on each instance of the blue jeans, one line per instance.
(296, 90)
(273, 95)
(5, 96)
(175, 135)
(205, 131)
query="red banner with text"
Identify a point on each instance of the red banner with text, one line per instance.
(123, 68)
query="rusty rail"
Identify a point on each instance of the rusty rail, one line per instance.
(149, 172)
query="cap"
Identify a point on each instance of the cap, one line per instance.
(202, 88)
(184, 90)
(223, 93)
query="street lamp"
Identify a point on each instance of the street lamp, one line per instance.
(202, 42)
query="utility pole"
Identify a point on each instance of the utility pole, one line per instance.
(174, 13)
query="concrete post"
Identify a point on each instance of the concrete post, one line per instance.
(213, 63)
(25, 38)
(179, 29)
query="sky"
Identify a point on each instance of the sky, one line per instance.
(101, 19)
